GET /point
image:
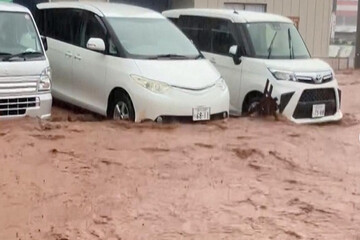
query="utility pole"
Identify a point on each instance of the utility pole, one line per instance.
(357, 52)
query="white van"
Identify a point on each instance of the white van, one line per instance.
(25, 79)
(128, 63)
(248, 48)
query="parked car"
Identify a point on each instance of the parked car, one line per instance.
(249, 48)
(25, 78)
(130, 63)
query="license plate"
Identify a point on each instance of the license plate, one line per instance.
(318, 111)
(201, 114)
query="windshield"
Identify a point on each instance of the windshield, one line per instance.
(18, 36)
(151, 38)
(277, 41)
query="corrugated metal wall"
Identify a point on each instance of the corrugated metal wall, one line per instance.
(314, 18)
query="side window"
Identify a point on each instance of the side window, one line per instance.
(49, 24)
(78, 21)
(39, 19)
(221, 36)
(198, 30)
(63, 24)
(60, 29)
(93, 29)
(112, 48)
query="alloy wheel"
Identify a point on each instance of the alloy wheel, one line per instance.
(121, 111)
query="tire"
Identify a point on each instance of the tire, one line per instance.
(253, 105)
(250, 104)
(121, 107)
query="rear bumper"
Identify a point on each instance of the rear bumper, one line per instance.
(38, 106)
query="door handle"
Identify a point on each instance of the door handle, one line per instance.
(212, 60)
(68, 54)
(78, 57)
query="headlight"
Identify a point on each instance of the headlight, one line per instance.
(283, 75)
(45, 80)
(152, 85)
(221, 84)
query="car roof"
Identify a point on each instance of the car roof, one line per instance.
(233, 15)
(105, 9)
(12, 7)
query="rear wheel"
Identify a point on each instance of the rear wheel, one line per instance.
(122, 107)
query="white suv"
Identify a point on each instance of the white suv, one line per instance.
(249, 48)
(128, 63)
(25, 79)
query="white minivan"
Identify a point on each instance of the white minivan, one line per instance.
(130, 63)
(25, 79)
(249, 48)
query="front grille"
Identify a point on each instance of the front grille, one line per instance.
(17, 106)
(314, 78)
(317, 95)
(311, 97)
(15, 85)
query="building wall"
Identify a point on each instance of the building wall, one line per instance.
(314, 18)
(182, 3)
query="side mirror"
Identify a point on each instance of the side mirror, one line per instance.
(96, 44)
(44, 41)
(234, 52)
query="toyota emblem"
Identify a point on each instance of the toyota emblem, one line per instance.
(318, 78)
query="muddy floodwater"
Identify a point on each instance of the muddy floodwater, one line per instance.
(80, 177)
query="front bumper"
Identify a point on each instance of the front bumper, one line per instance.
(296, 101)
(26, 105)
(178, 102)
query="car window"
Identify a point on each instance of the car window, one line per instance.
(112, 48)
(18, 34)
(276, 41)
(221, 36)
(40, 20)
(93, 29)
(151, 38)
(78, 20)
(62, 24)
(197, 29)
(174, 20)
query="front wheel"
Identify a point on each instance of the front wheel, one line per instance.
(122, 108)
(251, 105)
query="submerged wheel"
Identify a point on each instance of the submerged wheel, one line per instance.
(253, 105)
(122, 107)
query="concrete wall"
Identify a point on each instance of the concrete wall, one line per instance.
(314, 18)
